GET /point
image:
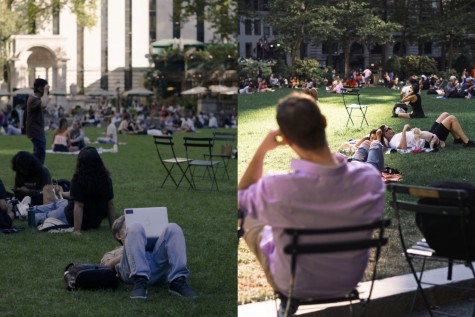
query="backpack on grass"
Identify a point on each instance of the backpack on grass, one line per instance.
(90, 276)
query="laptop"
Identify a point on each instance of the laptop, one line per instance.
(153, 219)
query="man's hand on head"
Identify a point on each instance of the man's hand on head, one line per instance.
(271, 141)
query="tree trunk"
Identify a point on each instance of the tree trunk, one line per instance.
(80, 59)
(451, 51)
(346, 52)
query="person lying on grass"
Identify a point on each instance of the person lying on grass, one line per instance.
(90, 200)
(164, 262)
(445, 124)
(324, 191)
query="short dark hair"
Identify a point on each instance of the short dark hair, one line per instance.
(301, 121)
(39, 85)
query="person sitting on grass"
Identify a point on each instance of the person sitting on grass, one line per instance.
(324, 191)
(9, 129)
(30, 178)
(90, 199)
(111, 133)
(61, 138)
(445, 124)
(76, 134)
(165, 262)
(413, 99)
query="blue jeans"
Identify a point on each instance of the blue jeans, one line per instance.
(372, 156)
(53, 210)
(104, 140)
(166, 262)
(39, 147)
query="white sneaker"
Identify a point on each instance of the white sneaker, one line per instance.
(23, 206)
(26, 200)
(115, 148)
(23, 210)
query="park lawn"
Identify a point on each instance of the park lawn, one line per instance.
(33, 263)
(257, 117)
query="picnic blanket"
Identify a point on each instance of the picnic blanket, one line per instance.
(409, 150)
(100, 150)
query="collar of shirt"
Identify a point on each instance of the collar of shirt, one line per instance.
(299, 165)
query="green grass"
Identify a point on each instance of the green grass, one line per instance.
(33, 263)
(257, 117)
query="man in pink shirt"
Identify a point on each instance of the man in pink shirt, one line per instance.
(323, 191)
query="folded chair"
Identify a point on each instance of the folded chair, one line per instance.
(444, 214)
(297, 248)
(198, 147)
(166, 154)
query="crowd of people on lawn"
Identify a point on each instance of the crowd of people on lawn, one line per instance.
(83, 202)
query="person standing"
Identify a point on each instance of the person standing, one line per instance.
(35, 122)
(367, 76)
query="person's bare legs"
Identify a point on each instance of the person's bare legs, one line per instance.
(453, 125)
(442, 116)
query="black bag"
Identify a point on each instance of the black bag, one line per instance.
(399, 105)
(446, 234)
(90, 276)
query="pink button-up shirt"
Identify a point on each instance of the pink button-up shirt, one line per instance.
(316, 196)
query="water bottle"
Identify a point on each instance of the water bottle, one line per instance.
(31, 217)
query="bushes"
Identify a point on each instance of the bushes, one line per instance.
(418, 65)
(308, 68)
(249, 68)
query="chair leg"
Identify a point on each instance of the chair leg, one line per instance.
(420, 290)
(349, 117)
(169, 174)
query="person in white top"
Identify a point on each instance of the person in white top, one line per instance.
(111, 133)
(367, 76)
(213, 122)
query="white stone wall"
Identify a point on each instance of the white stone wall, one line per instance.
(67, 41)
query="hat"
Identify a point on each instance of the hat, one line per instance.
(468, 79)
(453, 78)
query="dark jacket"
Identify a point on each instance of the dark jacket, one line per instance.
(35, 122)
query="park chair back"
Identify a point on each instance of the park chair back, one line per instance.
(224, 144)
(166, 154)
(297, 248)
(201, 147)
(444, 214)
(351, 93)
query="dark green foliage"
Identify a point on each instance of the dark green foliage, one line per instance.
(418, 65)
(393, 65)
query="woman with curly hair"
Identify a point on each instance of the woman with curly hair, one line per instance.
(91, 198)
(30, 177)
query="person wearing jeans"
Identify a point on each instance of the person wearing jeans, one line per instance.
(53, 210)
(370, 152)
(164, 262)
